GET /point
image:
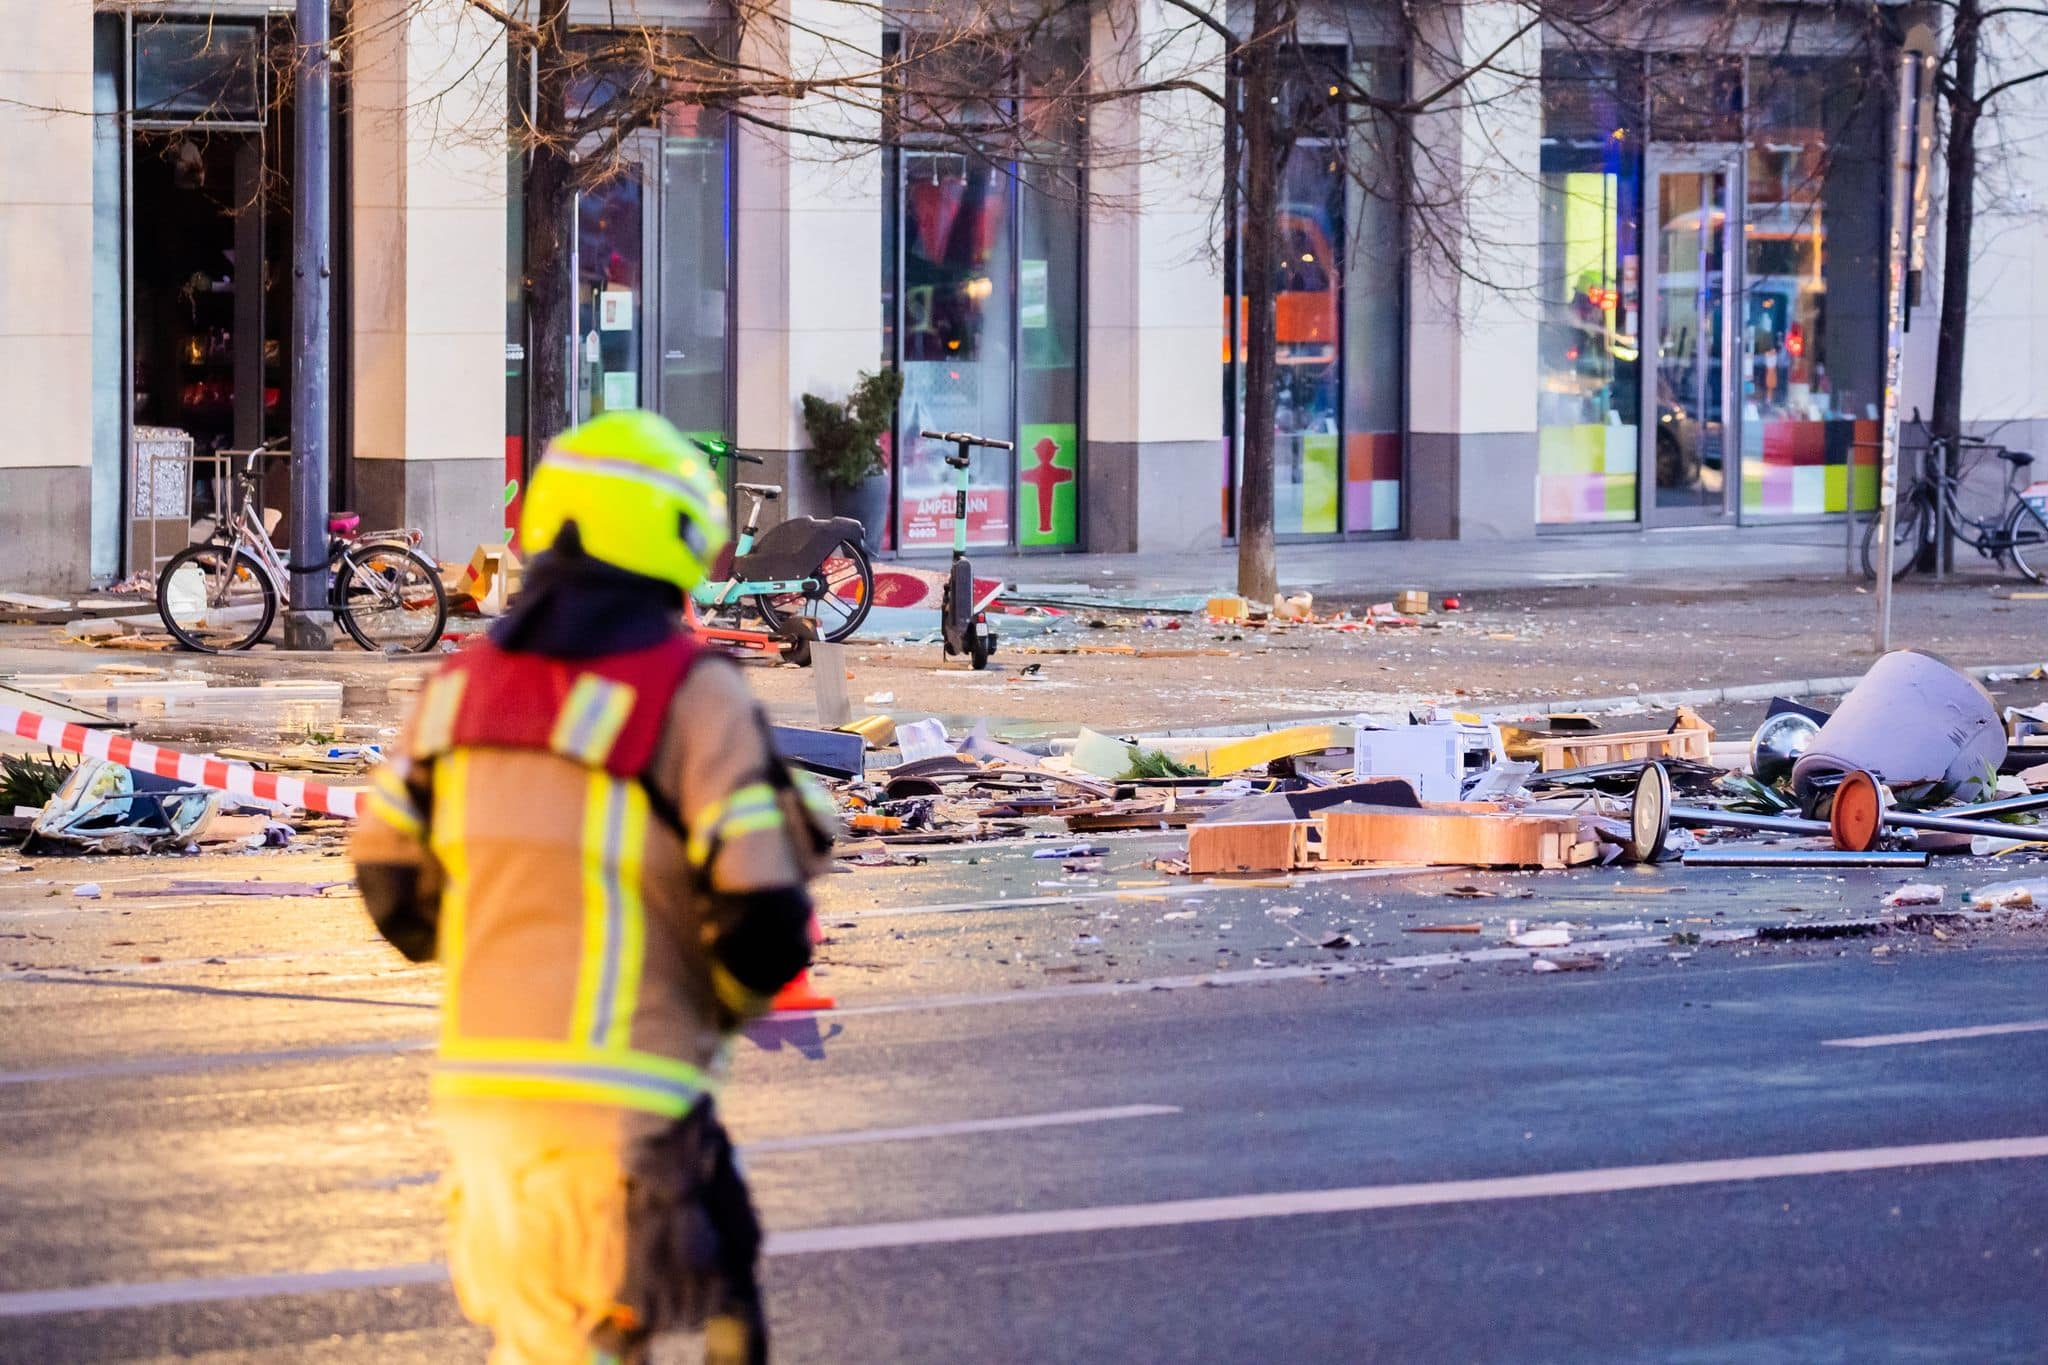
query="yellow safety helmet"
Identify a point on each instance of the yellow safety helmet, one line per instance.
(641, 495)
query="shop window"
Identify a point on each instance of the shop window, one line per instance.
(1588, 401)
(982, 290)
(1338, 318)
(1813, 312)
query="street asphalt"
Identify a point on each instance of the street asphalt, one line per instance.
(1007, 1142)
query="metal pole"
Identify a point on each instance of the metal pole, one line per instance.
(1903, 127)
(306, 626)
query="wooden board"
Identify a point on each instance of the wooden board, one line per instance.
(1447, 837)
(1694, 742)
(1265, 846)
(1256, 751)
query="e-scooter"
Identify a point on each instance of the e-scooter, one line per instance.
(961, 619)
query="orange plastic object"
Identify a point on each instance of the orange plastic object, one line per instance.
(1857, 818)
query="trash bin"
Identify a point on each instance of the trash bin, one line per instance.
(1917, 725)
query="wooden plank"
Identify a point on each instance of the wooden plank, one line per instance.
(1568, 752)
(1263, 846)
(1436, 836)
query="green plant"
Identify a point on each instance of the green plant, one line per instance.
(1155, 764)
(29, 781)
(846, 437)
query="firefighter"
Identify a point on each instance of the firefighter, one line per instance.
(587, 825)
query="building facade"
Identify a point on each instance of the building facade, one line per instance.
(1623, 287)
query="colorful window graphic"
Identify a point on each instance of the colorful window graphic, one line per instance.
(1586, 473)
(1794, 468)
(1372, 481)
(1048, 485)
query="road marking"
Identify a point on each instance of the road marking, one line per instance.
(183, 1063)
(1939, 1035)
(1367, 1198)
(1104, 1218)
(959, 1128)
(101, 1298)
(179, 1063)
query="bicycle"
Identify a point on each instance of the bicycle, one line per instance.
(2018, 530)
(806, 568)
(222, 594)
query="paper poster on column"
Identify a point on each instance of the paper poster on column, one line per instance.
(621, 390)
(1033, 311)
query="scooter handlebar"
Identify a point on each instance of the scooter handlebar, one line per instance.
(964, 439)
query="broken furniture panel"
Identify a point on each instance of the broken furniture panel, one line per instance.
(1263, 846)
(1452, 837)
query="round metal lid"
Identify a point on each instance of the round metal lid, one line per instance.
(1857, 818)
(1649, 816)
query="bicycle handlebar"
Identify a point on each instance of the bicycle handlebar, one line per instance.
(962, 438)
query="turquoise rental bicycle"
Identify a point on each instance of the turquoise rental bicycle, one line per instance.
(805, 569)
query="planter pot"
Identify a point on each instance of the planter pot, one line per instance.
(866, 502)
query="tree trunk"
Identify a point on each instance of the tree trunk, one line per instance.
(550, 200)
(1958, 225)
(1257, 575)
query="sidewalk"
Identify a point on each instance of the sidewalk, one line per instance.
(1690, 556)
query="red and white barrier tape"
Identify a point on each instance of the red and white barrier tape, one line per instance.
(196, 770)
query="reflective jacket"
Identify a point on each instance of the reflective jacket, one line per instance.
(607, 859)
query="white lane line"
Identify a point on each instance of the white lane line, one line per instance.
(180, 1063)
(1366, 1198)
(959, 1128)
(1939, 1035)
(102, 1298)
(1107, 1218)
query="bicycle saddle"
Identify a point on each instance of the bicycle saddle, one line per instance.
(343, 523)
(2020, 459)
(766, 492)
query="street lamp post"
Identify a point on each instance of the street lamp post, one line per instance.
(306, 626)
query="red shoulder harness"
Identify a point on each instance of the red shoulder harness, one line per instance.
(606, 712)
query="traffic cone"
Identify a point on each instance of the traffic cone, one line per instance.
(800, 994)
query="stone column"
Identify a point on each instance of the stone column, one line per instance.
(1472, 321)
(428, 269)
(809, 230)
(46, 295)
(1152, 461)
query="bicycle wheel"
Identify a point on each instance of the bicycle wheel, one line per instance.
(214, 598)
(389, 598)
(847, 590)
(1905, 539)
(2027, 541)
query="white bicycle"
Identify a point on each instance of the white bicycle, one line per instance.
(223, 593)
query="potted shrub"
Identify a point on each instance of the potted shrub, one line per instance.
(846, 449)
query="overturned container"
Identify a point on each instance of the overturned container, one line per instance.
(1927, 731)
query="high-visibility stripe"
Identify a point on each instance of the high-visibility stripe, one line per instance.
(600, 791)
(752, 822)
(450, 845)
(596, 710)
(553, 1053)
(390, 801)
(434, 732)
(564, 1090)
(614, 911)
(623, 1079)
(714, 822)
(629, 943)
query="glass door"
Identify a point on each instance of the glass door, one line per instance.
(614, 280)
(1689, 435)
